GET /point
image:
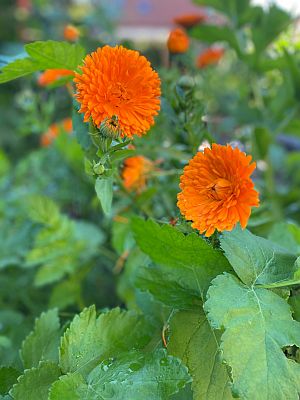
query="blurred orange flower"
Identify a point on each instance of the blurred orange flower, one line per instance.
(52, 75)
(217, 191)
(71, 33)
(209, 56)
(53, 131)
(178, 41)
(190, 20)
(135, 172)
(119, 83)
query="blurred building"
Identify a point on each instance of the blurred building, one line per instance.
(150, 20)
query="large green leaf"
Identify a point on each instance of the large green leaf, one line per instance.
(8, 376)
(42, 343)
(132, 376)
(197, 345)
(90, 340)
(188, 259)
(36, 382)
(255, 259)
(52, 54)
(62, 245)
(258, 325)
(166, 288)
(44, 55)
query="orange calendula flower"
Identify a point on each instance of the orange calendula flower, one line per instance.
(217, 191)
(135, 172)
(190, 20)
(178, 41)
(117, 83)
(209, 57)
(71, 33)
(53, 131)
(52, 75)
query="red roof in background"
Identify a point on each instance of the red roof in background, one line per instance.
(158, 13)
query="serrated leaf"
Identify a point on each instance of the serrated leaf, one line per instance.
(258, 324)
(42, 343)
(62, 245)
(17, 69)
(166, 289)
(255, 259)
(36, 382)
(132, 376)
(104, 190)
(52, 54)
(188, 259)
(197, 345)
(8, 376)
(44, 55)
(89, 339)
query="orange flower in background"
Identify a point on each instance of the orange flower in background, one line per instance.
(217, 191)
(67, 125)
(48, 137)
(178, 41)
(53, 131)
(71, 33)
(120, 83)
(190, 20)
(135, 172)
(52, 75)
(209, 57)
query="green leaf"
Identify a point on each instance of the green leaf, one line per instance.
(258, 324)
(80, 128)
(121, 154)
(166, 288)
(212, 33)
(8, 376)
(197, 345)
(36, 382)
(104, 190)
(62, 245)
(132, 376)
(18, 68)
(255, 259)
(65, 294)
(189, 259)
(51, 54)
(236, 10)
(42, 343)
(268, 25)
(89, 339)
(44, 55)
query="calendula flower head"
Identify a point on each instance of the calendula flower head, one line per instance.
(190, 20)
(178, 41)
(52, 75)
(210, 56)
(117, 82)
(136, 172)
(216, 189)
(53, 131)
(71, 33)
